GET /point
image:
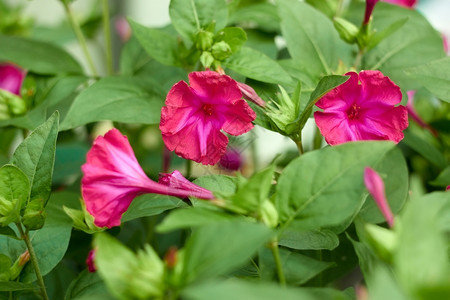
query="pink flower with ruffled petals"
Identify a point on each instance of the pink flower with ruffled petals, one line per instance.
(375, 186)
(11, 78)
(178, 181)
(193, 117)
(405, 3)
(362, 108)
(113, 178)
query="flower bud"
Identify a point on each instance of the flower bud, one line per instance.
(206, 59)
(34, 215)
(171, 257)
(221, 50)
(269, 214)
(204, 40)
(11, 105)
(92, 268)
(18, 265)
(8, 213)
(347, 30)
(231, 160)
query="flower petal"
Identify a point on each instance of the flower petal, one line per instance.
(239, 118)
(214, 87)
(378, 89)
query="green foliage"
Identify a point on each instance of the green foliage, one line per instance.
(14, 191)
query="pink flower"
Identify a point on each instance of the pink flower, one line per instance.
(231, 160)
(370, 5)
(192, 120)
(178, 181)
(113, 178)
(413, 114)
(11, 78)
(405, 3)
(375, 186)
(90, 261)
(362, 108)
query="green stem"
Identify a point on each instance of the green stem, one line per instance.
(34, 260)
(188, 168)
(358, 59)
(339, 8)
(298, 142)
(76, 28)
(107, 31)
(276, 256)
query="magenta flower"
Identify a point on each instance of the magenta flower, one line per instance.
(405, 3)
(231, 160)
(192, 120)
(90, 263)
(375, 186)
(11, 78)
(178, 181)
(370, 5)
(415, 116)
(362, 108)
(113, 178)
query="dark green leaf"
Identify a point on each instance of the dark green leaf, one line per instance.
(150, 205)
(309, 239)
(443, 178)
(311, 38)
(158, 44)
(87, 284)
(15, 286)
(209, 253)
(14, 186)
(434, 76)
(297, 268)
(189, 16)
(328, 188)
(235, 37)
(424, 148)
(36, 56)
(7, 231)
(120, 99)
(261, 15)
(256, 65)
(35, 156)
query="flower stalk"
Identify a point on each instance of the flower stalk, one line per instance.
(107, 32)
(24, 235)
(276, 256)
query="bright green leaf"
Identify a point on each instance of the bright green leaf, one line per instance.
(308, 239)
(35, 156)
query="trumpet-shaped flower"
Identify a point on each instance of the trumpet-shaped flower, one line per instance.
(375, 186)
(362, 108)
(370, 5)
(113, 178)
(193, 117)
(178, 181)
(11, 78)
(405, 3)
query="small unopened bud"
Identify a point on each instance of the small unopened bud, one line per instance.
(221, 50)
(90, 261)
(171, 257)
(269, 214)
(204, 40)
(8, 212)
(34, 215)
(18, 265)
(24, 258)
(347, 31)
(231, 160)
(207, 59)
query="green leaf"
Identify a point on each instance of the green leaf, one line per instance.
(7, 231)
(326, 84)
(424, 148)
(263, 15)
(35, 156)
(14, 186)
(256, 65)
(87, 284)
(50, 242)
(16, 286)
(434, 76)
(209, 253)
(121, 99)
(394, 172)
(238, 289)
(311, 38)
(225, 185)
(192, 217)
(414, 44)
(235, 37)
(45, 58)
(150, 205)
(325, 187)
(189, 16)
(426, 263)
(308, 239)
(443, 178)
(379, 36)
(382, 285)
(297, 268)
(158, 44)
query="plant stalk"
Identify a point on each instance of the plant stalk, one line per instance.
(276, 256)
(107, 32)
(34, 260)
(79, 34)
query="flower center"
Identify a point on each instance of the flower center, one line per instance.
(208, 109)
(353, 112)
